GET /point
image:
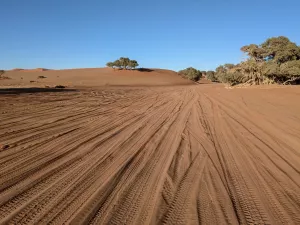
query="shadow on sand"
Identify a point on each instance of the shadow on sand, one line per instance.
(144, 70)
(5, 91)
(137, 69)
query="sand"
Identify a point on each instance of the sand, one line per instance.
(91, 77)
(185, 154)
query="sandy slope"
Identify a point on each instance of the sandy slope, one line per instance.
(92, 77)
(174, 155)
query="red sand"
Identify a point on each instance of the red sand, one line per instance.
(189, 154)
(93, 77)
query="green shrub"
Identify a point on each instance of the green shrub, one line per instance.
(231, 78)
(191, 73)
(123, 63)
(210, 75)
(277, 60)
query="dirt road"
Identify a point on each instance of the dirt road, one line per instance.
(198, 154)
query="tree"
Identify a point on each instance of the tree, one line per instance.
(133, 64)
(210, 75)
(117, 63)
(1, 72)
(191, 73)
(221, 70)
(252, 71)
(280, 49)
(290, 68)
(123, 63)
(277, 60)
(110, 64)
(285, 73)
(254, 51)
(228, 66)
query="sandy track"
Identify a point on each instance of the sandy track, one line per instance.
(175, 155)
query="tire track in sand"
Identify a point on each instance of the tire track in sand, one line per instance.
(161, 155)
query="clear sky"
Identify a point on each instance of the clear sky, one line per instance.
(171, 34)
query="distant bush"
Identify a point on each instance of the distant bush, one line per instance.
(210, 75)
(231, 78)
(123, 63)
(41, 77)
(32, 81)
(3, 77)
(191, 73)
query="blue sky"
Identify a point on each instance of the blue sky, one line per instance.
(172, 34)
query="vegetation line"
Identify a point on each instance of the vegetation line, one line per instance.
(277, 60)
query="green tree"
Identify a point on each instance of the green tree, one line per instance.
(221, 70)
(285, 73)
(277, 60)
(191, 73)
(280, 50)
(228, 66)
(210, 75)
(231, 78)
(254, 51)
(133, 64)
(252, 71)
(110, 64)
(117, 63)
(124, 62)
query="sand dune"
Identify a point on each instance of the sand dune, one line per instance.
(198, 154)
(92, 77)
(28, 70)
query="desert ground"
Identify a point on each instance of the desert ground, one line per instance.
(92, 77)
(129, 147)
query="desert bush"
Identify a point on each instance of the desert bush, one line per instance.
(41, 77)
(110, 64)
(231, 78)
(290, 69)
(123, 63)
(191, 73)
(277, 60)
(285, 73)
(210, 75)
(133, 64)
(3, 77)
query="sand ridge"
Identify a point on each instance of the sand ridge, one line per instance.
(93, 77)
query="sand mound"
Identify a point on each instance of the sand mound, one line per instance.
(15, 70)
(29, 70)
(96, 77)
